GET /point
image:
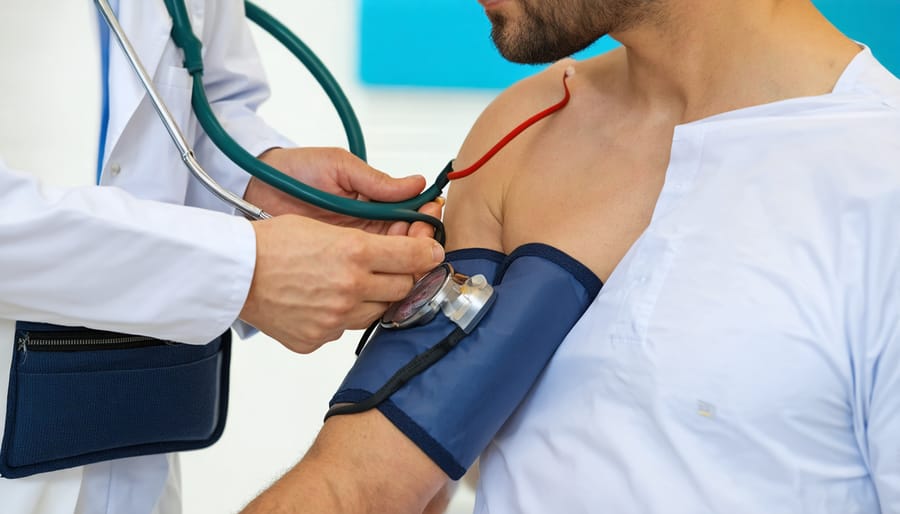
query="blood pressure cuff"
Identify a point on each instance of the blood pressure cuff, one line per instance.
(79, 396)
(452, 409)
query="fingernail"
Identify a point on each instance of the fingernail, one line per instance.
(437, 251)
(440, 200)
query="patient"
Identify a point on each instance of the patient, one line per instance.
(732, 175)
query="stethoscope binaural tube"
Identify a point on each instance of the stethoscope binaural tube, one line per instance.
(184, 38)
(187, 154)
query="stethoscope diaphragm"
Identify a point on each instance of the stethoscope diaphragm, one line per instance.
(463, 300)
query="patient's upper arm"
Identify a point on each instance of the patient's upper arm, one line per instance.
(362, 461)
(473, 214)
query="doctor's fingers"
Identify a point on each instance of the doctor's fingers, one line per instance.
(304, 342)
(419, 228)
(400, 254)
(366, 314)
(384, 287)
(357, 176)
(329, 326)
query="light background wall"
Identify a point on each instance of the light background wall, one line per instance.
(278, 398)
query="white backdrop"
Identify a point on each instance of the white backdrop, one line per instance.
(277, 397)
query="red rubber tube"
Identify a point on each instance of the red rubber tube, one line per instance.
(453, 175)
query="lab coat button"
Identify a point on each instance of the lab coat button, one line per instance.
(115, 169)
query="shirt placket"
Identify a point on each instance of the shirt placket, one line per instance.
(657, 247)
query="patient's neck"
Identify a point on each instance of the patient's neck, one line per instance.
(705, 57)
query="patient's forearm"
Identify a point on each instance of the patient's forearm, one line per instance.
(359, 464)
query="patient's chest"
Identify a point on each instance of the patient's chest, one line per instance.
(584, 186)
(713, 373)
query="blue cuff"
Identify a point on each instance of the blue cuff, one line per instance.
(452, 409)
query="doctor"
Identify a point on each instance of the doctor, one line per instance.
(151, 252)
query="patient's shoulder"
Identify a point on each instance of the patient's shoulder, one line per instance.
(513, 106)
(473, 215)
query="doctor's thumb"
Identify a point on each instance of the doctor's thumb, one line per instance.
(377, 185)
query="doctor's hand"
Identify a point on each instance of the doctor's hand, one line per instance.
(313, 280)
(341, 173)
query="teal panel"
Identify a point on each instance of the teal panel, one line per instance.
(873, 22)
(435, 43)
(446, 43)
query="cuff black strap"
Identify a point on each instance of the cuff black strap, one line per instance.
(414, 367)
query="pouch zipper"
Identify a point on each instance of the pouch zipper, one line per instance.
(66, 341)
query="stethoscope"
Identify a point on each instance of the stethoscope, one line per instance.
(463, 300)
(184, 37)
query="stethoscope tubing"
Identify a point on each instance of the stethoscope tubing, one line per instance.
(184, 37)
(355, 141)
(175, 133)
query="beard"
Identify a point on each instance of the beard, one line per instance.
(549, 30)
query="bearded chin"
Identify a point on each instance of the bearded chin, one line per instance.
(531, 43)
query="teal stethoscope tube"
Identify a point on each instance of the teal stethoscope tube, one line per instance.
(184, 38)
(318, 70)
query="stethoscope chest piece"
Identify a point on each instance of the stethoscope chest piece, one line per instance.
(463, 300)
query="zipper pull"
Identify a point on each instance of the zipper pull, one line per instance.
(23, 346)
(23, 342)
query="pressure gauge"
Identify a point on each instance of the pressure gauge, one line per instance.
(464, 300)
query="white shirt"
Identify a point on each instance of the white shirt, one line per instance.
(744, 357)
(126, 257)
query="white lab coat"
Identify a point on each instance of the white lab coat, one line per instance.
(129, 257)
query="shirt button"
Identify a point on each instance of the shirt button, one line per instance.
(115, 168)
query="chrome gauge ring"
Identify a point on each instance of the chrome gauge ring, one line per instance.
(462, 299)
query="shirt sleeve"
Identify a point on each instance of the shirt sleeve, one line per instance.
(235, 86)
(101, 258)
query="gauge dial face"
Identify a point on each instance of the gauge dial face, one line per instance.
(422, 293)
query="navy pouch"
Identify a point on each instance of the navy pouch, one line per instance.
(452, 409)
(78, 396)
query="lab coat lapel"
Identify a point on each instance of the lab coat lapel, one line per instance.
(148, 25)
